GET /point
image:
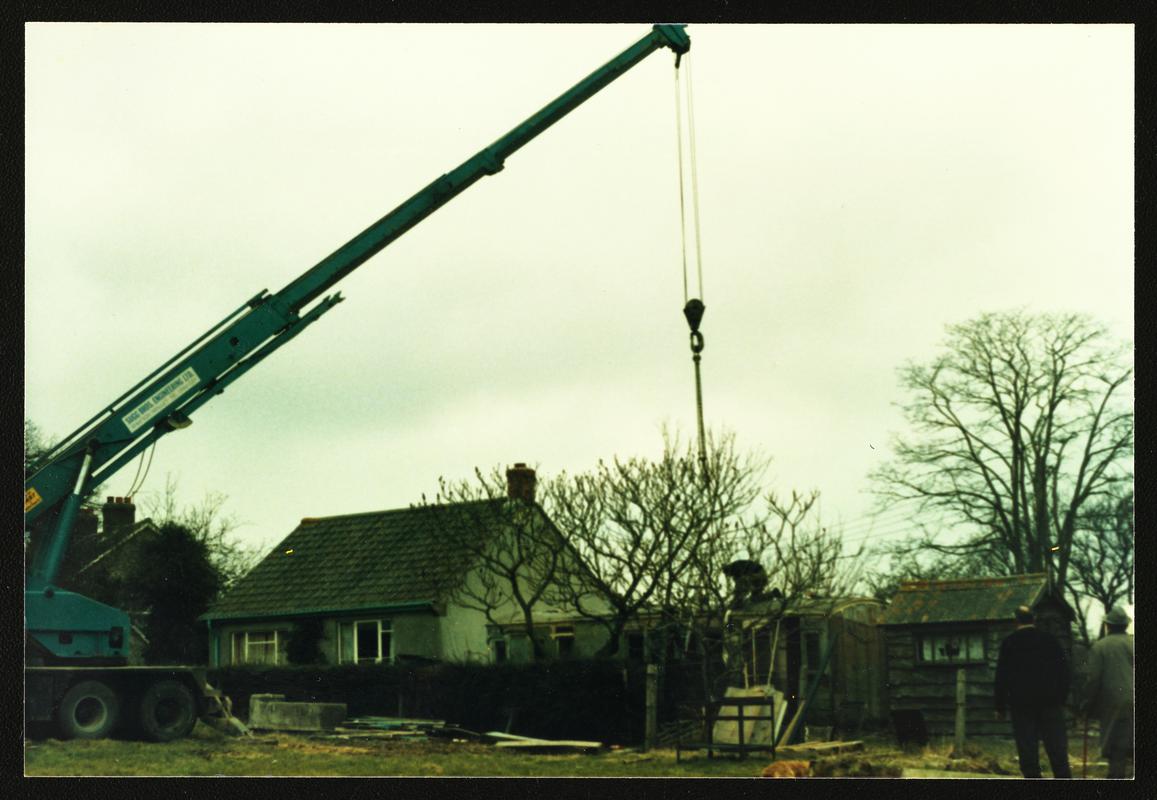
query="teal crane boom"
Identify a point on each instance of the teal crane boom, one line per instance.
(165, 400)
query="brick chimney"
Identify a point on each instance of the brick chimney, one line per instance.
(119, 515)
(520, 482)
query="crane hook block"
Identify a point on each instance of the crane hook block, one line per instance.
(693, 311)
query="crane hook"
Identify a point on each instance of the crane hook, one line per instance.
(693, 311)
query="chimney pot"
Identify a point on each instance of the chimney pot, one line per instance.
(520, 482)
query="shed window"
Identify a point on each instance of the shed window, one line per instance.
(951, 648)
(367, 641)
(256, 647)
(498, 647)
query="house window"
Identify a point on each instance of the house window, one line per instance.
(636, 648)
(563, 636)
(951, 648)
(256, 647)
(498, 648)
(366, 641)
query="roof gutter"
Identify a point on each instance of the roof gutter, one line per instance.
(232, 616)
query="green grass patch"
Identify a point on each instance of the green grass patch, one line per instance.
(210, 753)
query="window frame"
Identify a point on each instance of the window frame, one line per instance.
(967, 635)
(243, 640)
(349, 627)
(560, 633)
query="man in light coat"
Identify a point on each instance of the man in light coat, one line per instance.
(1109, 691)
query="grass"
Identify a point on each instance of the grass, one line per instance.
(211, 753)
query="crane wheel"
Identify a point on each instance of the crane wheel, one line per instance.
(167, 711)
(89, 710)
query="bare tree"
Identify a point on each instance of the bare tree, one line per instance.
(512, 548)
(1102, 561)
(36, 444)
(1017, 425)
(209, 524)
(800, 558)
(637, 527)
(803, 555)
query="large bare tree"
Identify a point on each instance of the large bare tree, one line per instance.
(799, 557)
(637, 527)
(669, 543)
(1102, 562)
(511, 569)
(1017, 425)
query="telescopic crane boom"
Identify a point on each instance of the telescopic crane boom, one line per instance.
(73, 628)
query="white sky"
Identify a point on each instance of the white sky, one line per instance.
(860, 188)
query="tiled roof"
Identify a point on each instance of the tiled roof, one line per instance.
(361, 561)
(970, 600)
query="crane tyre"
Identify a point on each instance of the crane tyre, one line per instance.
(167, 711)
(88, 710)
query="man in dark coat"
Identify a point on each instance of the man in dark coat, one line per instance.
(1032, 681)
(1109, 691)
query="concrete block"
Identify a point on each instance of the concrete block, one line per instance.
(272, 712)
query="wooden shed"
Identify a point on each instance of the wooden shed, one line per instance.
(932, 629)
(849, 686)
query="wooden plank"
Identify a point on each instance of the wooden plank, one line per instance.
(454, 732)
(510, 737)
(550, 746)
(817, 749)
(394, 722)
(945, 674)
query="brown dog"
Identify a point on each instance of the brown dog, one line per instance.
(787, 769)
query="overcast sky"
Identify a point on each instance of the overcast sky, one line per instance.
(860, 188)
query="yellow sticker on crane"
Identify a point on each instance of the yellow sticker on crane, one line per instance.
(32, 499)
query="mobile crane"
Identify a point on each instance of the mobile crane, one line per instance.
(77, 672)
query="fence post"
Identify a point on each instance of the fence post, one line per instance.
(961, 701)
(650, 729)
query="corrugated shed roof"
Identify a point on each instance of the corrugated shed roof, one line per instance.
(970, 600)
(361, 561)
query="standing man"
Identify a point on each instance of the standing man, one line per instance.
(1032, 681)
(1109, 693)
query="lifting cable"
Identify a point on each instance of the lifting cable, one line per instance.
(139, 479)
(693, 307)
